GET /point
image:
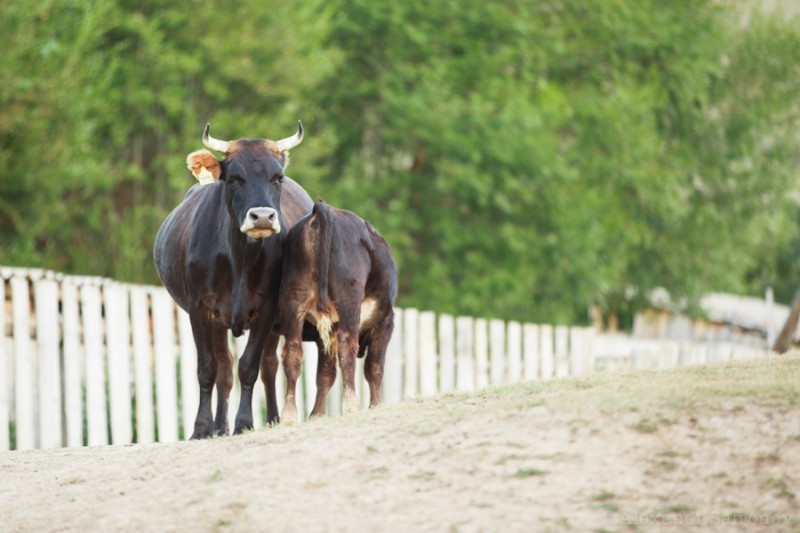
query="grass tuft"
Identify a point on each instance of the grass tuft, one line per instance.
(529, 472)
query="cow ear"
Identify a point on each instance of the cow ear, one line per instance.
(204, 166)
(283, 158)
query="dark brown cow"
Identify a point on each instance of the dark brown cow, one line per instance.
(219, 254)
(339, 274)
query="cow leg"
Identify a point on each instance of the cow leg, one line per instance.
(348, 350)
(206, 376)
(326, 377)
(224, 381)
(248, 367)
(269, 368)
(376, 357)
(292, 357)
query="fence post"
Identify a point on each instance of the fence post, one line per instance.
(5, 437)
(562, 350)
(236, 388)
(190, 388)
(166, 380)
(73, 397)
(334, 404)
(361, 384)
(577, 350)
(514, 352)
(589, 335)
(393, 374)
(118, 335)
(427, 353)
(481, 354)
(310, 363)
(465, 364)
(447, 359)
(411, 353)
(23, 364)
(548, 358)
(47, 341)
(142, 365)
(95, 365)
(497, 352)
(530, 335)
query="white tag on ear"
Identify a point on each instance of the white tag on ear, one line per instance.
(205, 176)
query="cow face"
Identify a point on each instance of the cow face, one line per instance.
(252, 172)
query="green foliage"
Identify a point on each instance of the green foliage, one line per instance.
(524, 159)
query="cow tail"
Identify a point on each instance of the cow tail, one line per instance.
(324, 324)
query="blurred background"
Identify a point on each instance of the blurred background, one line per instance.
(527, 160)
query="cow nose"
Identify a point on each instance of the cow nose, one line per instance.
(261, 215)
(261, 222)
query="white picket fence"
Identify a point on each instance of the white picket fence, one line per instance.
(90, 361)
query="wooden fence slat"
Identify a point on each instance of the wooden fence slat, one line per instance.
(589, 363)
(577, 351)
(118, 335)
(668, 354)
(143, 365)
(447, 354)
(497, 352)
(310, 362)
(481, 354)
(410, 352)
(562, 350)
(547, 353)
(96, 413)
(73, 371)
(362, 389)
(259, 403)
(641, 359)
(530, 349)
(334, 403)
(393, 368)
(427, 353)
(23, 364)
(236, 391)
(166, 379)
(5, 437)
(48, 338)
(190, 388)
(280, 377)
(465, 350)
(237, 348)
(514, 351)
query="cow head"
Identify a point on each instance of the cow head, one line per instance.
(252, 173)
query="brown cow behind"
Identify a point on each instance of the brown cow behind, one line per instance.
(339, 274)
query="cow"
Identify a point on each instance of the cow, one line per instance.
(339, 274)
(219, 255)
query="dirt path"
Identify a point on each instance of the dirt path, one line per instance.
(717, 447)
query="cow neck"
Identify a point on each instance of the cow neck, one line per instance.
(247, 251)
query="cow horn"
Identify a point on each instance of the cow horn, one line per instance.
(214, 144)
(290, 142)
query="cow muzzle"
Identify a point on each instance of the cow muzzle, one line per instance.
(261, 222)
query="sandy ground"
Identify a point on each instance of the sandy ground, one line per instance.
(629, 452)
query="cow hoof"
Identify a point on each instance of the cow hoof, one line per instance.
(289, 415)
(202, 433)
(350, 404)
(242, 427)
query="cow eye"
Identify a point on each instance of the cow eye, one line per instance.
(278, 178)
(236, 180)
